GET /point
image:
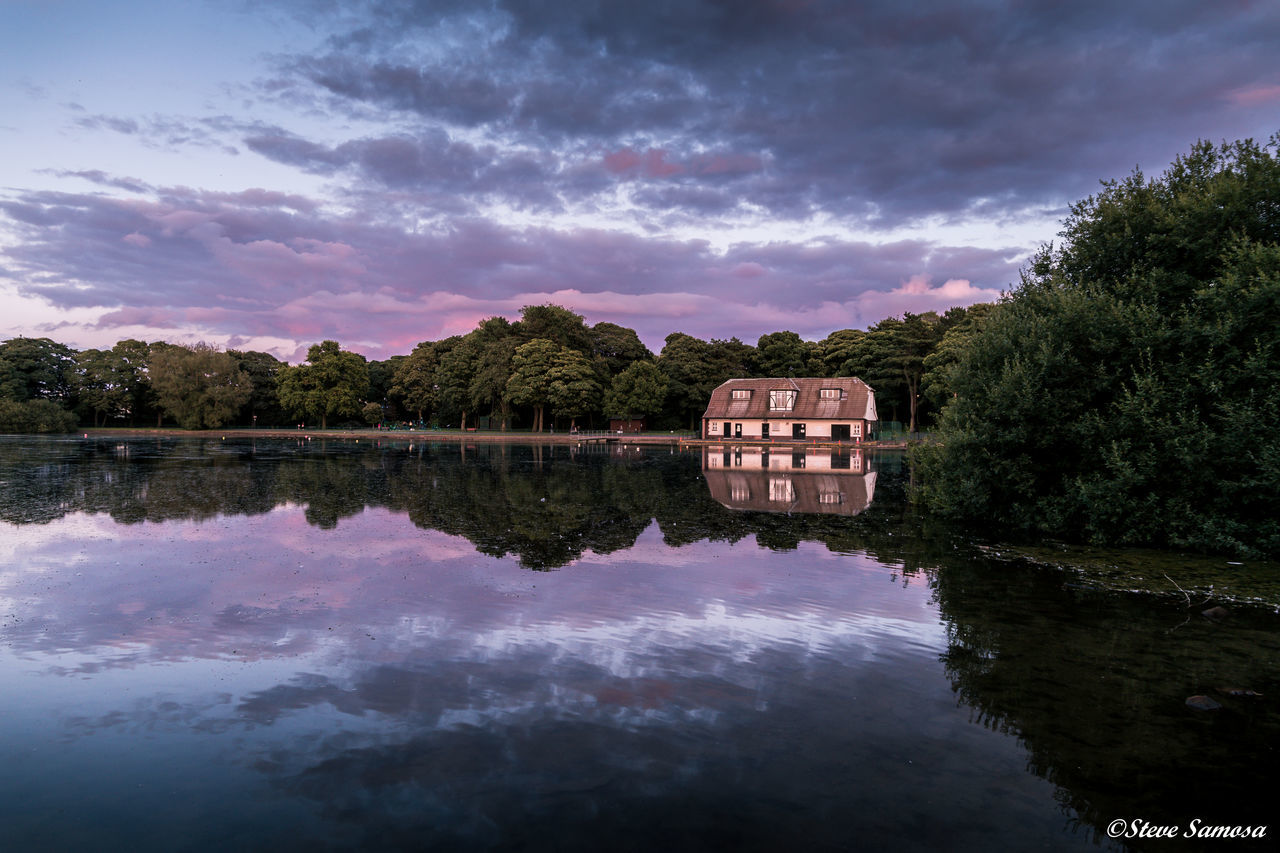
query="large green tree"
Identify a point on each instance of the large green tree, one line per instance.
(909, 342)
(693, 368)
(414, 380)
(837, 349)
(782, 354)
(554, 323)
(494, 344)
(332, 383)
(263, 406)
(530, 382)
(37, 369)
(99, 385)
(454, 375)
(1125, 391)
(573, 390)
(199, 386)
(686, 363)
(614, 348)
(936, 385)
(638, 390)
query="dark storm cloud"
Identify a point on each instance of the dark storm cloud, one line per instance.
(427, 160)
(865, 110)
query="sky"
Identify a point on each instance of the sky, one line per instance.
(268, 175)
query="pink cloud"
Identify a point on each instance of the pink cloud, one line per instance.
(270, 262)
(721, 164)
(650, 164)
(749, 269)
(1252, 96)
(142, 241)
(917, 296)
(159, 317)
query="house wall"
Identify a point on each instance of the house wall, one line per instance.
(780, 429)
(807, 459)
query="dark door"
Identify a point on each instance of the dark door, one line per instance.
(797, 430)
(737, 430)
(839, 432)
(764, 430)
(726, 429)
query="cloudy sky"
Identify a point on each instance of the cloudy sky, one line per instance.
(266, 175)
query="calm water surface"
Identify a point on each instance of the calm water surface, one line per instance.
(293, 645)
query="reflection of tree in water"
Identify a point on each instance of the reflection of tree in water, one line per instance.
(535, 503)
(331, 481)
(133, 481)
(546, 505)
(1095, 684)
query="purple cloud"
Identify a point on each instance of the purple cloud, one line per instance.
(264, 264)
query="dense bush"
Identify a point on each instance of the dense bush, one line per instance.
(1128, 391)
(35, 416)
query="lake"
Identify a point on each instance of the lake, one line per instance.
(292, 644)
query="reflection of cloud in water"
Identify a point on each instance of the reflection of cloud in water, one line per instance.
(256, 596)
(610, 636)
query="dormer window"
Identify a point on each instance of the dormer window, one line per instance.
(831, 394)
(782, 400)
(741, 394)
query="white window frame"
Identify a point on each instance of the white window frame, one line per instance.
(782, 400)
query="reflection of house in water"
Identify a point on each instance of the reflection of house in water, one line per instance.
(798, 479)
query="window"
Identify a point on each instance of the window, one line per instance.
(831, 394)
(741, 394)
(783, 401)
(781, 490)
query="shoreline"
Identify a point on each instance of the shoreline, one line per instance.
(485, 437)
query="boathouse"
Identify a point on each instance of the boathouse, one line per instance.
(839, 409)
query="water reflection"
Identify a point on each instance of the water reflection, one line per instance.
(285, 662)
(790, 480)
(547, 505)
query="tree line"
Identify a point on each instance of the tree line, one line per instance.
(546, 370)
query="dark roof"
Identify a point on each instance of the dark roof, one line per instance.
(859, 401)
